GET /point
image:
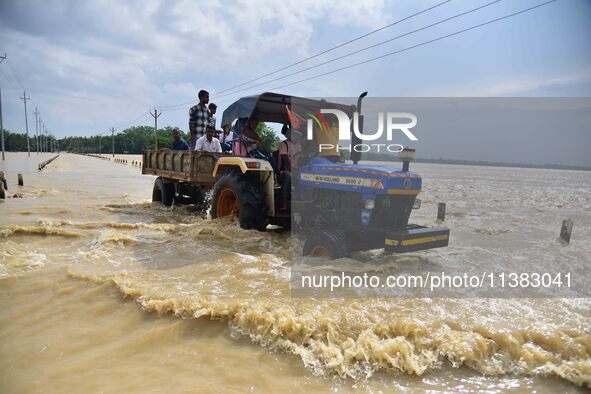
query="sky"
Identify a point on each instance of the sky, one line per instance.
(92, 65)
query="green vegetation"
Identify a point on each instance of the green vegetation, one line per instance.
(129, 141)
(268, 137)
(17, 142)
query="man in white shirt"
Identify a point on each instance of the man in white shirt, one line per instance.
(208, 143)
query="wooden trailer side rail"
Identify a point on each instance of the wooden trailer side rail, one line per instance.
(188, 166)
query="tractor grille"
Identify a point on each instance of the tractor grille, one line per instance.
(392, 211)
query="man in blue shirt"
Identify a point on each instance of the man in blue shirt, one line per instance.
(178, 143)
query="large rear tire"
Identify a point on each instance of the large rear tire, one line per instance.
(235, 194)
(163, 192)
(326, 244)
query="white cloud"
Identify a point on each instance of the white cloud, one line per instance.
(87, 62)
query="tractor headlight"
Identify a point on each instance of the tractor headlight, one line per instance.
(369, 204)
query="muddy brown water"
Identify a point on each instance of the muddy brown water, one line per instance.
(102, 292)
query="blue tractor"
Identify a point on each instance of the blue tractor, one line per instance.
(337, 206)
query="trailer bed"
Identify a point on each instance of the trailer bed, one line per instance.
(181, 165)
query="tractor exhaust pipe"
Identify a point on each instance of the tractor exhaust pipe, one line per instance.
(407, 155)
(356, 156)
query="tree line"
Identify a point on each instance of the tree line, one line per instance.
(129, 141)
(17, 142)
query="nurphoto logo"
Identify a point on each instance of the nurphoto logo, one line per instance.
(344, 130)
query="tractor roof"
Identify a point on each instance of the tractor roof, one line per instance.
(270, 107)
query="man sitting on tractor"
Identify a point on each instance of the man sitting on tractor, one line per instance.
(249, 143)
(208, 143)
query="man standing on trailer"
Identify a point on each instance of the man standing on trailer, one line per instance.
(199, 118)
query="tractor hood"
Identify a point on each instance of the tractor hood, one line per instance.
(368, 178)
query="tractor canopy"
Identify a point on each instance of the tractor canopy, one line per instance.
(273, 107)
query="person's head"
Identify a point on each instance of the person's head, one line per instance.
(203, 97)
(226, 128)
(213, 108)
(176, 134)
(253, 122)
(209, 132)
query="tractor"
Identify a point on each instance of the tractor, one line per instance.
(337, 206)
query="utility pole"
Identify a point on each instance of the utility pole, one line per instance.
(155, 115)
(25, 98)
(2, 58)
(44, 138)
(113, 140)
(100, 144)
(41, 134)
(37, 129)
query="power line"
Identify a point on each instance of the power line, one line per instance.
(15, 76)
(365, 48)
(317, 54)
(337, 46)
(170, 107)
(133, 121)
(12, 85)
(417, 45)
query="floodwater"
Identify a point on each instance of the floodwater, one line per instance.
(102, 292)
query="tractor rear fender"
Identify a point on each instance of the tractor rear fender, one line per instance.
(262, 169)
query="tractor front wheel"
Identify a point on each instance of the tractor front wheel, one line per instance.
(235, 194)
(326, 244)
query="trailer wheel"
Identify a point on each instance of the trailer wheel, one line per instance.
(163, 192)
(198, 195)
(236, 195)
(326, 244)
(190, 194)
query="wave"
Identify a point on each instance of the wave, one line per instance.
(346, 339)
(15, 259)
(37, 230)
(196, 230)
(116, 225)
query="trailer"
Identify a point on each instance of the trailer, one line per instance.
(242, 187)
